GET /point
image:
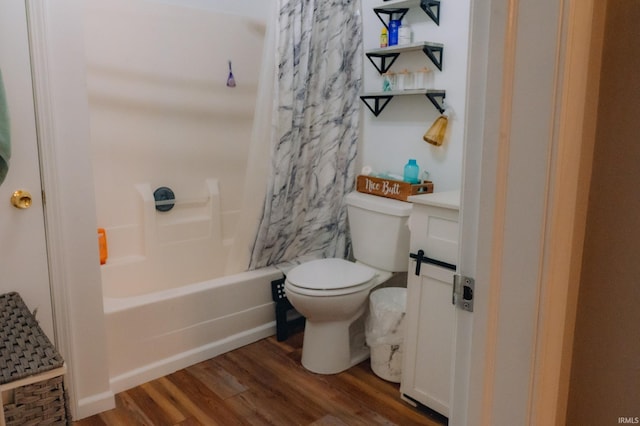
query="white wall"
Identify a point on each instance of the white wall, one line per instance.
(396, 134)
(162, 115)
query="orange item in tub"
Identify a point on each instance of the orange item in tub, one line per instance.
(102, 245)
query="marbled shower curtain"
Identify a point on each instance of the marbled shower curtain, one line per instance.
(319, 49)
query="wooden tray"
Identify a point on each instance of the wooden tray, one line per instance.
(389, 188)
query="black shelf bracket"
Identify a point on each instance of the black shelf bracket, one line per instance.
(435, 54)
(376, 102)
(432, 9)
(434, 96)
(384, 65)
(379, 102)
(398, 12)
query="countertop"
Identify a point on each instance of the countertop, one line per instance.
(446, 199)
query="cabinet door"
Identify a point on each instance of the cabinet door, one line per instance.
(428, 353)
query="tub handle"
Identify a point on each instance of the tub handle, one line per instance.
(165, 199)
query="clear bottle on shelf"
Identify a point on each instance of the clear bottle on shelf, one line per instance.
(407, 78)
(420, 78)
(388, 81)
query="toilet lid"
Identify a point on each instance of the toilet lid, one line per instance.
(329, 274)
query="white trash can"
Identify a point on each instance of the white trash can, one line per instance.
(385, 331)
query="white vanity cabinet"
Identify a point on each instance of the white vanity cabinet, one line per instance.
(428, 348)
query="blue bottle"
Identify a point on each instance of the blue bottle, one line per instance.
(411, 171)
(394, 25)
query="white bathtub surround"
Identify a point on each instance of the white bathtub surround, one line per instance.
(169, 249)
(161, 112)
(313, 159)
(162, 115)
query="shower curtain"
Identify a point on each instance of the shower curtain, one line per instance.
(316, 120)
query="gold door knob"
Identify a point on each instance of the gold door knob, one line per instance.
(21, 199)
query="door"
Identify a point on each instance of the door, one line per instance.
(428, 361)
(23, 253)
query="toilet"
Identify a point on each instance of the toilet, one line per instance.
(332, 294)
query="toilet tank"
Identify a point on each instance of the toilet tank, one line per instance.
(379, 231)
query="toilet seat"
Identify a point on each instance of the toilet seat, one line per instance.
(329, 277)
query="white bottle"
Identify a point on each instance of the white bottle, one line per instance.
(404, 34)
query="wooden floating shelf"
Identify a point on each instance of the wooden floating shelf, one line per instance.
(381, 99)
(400, 7)
(432, 50)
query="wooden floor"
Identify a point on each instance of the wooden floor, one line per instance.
(264, 384)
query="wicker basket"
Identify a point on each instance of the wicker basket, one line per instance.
(31, 370)
(41, 403)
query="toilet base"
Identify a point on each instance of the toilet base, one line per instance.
(335, 346)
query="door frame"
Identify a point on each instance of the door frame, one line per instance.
(567, 209)
(514, 352)
(62, 120)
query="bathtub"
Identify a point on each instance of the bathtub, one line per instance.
(152, 335)
(167, 301)
(162, 116)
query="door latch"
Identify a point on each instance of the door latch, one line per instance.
(463, 288)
